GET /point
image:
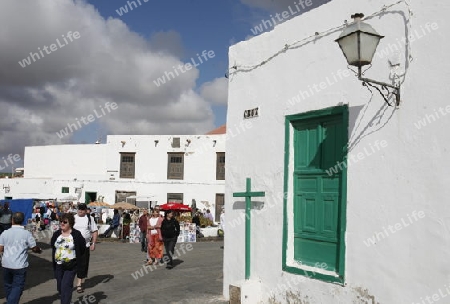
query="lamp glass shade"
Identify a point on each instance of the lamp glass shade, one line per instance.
(368, 47)
(359, 42)
(349, 46)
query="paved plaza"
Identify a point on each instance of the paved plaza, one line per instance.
(117, 275)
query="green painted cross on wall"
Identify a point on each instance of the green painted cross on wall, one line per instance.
(248, 194)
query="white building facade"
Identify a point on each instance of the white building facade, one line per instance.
(355, 206)
(156, 168)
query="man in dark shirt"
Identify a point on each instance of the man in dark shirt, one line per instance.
(170, 230)
(143, 221)
(5, 218)
(196, 221)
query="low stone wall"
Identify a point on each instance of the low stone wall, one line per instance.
(209, 231)
(102, 228)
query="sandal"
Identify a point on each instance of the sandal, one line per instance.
(149, 263)
(80, 289)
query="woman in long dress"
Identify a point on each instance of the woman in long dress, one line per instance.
(154, 237)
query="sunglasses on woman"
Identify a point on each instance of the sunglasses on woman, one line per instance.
(63, 222)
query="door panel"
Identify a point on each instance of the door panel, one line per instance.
(318, 145)
(220, 201)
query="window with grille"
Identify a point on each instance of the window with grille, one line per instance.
(175, 198)
(175, 169)
(65, 190)
(127, 165)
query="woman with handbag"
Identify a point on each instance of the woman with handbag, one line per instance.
(67, 244)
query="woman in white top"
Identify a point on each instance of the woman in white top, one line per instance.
(67, 244)
(154, 238)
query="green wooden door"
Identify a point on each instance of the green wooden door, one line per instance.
(318, 145)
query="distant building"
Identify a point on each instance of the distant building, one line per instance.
(157, 168)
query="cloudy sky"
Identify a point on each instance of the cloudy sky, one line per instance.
(64, 60)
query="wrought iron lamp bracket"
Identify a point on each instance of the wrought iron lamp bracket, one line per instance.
(394, 89)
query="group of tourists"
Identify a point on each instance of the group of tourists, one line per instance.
(124, 222)
(71, 246)
(44, 214)
(157, 231)
(72, 243)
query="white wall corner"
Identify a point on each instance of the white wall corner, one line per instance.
(250, 292)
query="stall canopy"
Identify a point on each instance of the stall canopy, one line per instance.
(99, 204)
(124, 205)
(175, 207)
(24, 205)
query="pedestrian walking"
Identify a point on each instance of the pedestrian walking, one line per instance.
(5, 217)
(155, 240)
(14, 244)
(126, 221)
(68, 245)
(88, 228)
(143, 220)
(170, 230)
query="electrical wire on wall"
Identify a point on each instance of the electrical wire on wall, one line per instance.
(236, 68)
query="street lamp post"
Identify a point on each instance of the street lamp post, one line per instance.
(358, 42)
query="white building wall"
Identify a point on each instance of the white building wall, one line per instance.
(151, 162)
(96, 168)
(39, 188)
(64, 161)
(383, 188)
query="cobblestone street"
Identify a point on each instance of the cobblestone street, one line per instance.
(117, 275)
